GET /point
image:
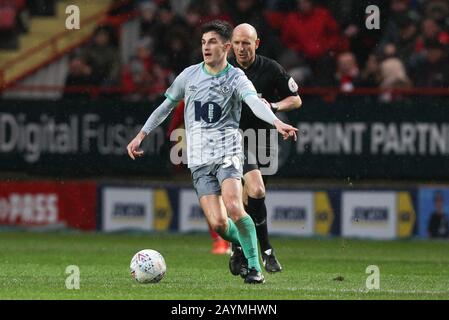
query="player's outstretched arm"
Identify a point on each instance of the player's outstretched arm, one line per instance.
(133, 146)
(155, 119)
(285, 130)
(263, 112)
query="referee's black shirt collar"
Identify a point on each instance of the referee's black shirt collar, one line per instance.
(234, 62)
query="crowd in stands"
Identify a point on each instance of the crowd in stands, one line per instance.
(320, 43)
(15, 16)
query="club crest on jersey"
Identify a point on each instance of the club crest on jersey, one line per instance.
(225, 89)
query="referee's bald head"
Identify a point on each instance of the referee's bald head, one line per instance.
(244, 44)
(247, 30)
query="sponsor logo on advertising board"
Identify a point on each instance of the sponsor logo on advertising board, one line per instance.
(127, 208)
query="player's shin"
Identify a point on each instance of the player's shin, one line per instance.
(248, 241)
(231, 233)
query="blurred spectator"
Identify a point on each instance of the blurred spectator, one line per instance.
(430, 31)
(42, 7)
(13, 20)
(438, 10)
(148, 22)
(370, 75)
(193, 19)
(352, 17)
(347, 73)
(297, 67)
(400, 13)
(432, 68)
(438, 226)
(251, 11)
(388, 51)
(79, 75)
(103, 57)
(214, 9)
(393, 76)
(120, 7)
(281, 5)
(178, 49)
(143, 78)
(168, 23)
(405, 44)
(312, 31)
(180, 6)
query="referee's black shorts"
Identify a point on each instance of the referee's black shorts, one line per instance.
(250, 163)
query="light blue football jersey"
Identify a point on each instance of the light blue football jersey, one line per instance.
(213, 105)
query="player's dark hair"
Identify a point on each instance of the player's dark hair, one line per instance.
(223, 28)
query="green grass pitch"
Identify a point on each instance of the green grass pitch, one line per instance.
(33, 265)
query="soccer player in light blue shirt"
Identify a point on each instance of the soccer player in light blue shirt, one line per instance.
(213, 92)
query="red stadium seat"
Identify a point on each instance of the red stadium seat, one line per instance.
(8, 17)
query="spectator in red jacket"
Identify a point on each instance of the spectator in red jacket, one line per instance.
(431, 31)
(347, 72)
(312, 31)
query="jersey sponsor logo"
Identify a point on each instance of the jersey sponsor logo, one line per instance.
(193, 88)
(210, 112)
(292, 85)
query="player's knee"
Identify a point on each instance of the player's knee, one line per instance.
(233, 207)
(220, 224)
(256, 191)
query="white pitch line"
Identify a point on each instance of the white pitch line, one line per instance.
(372, 291)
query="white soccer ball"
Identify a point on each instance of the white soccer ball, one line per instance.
(148, 266)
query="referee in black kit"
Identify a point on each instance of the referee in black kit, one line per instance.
(281, 93)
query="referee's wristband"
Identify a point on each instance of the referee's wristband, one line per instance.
(274, 107)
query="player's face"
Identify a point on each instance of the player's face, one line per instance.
(244, 46)
(214, 48)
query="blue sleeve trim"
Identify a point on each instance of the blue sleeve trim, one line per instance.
(248, 94)
(171, 98)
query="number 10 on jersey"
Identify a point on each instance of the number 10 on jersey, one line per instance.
(210, 112)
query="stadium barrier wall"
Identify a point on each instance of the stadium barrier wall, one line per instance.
(363, 139)
(380, 213)
(376, 214)
(355, 138)
(49, 204)
(77, 138)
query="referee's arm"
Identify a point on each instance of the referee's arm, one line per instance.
(287, 104)
(287, 89)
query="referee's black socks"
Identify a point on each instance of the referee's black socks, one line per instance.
(257, 209)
